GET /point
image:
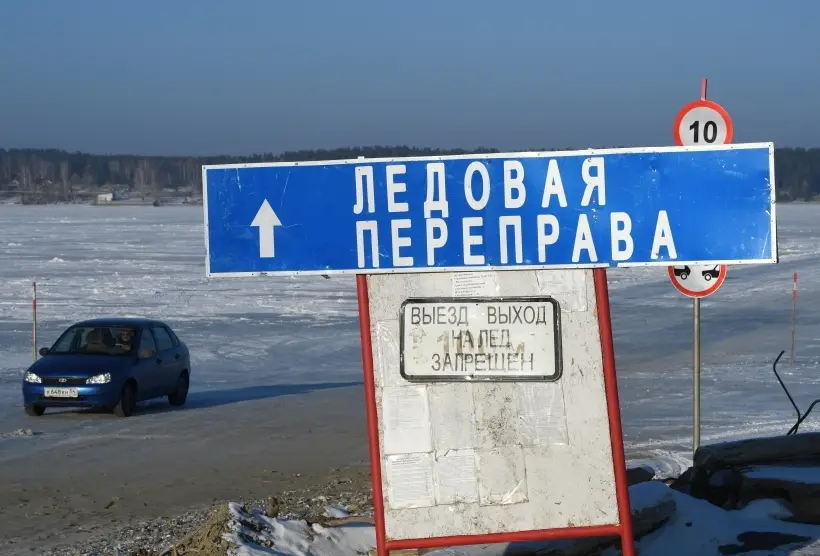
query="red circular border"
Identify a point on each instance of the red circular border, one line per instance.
(708, 291)
(730, 129)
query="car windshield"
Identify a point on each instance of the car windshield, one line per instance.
(99, 340)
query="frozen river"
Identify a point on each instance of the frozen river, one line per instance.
(266, 332)
(285, 352)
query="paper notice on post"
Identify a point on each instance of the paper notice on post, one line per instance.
(475, 284)
(406, 420)
(410, 481)
(456, 477)
(451, 416)
(569, 287)
(542, 418)
(502, 476)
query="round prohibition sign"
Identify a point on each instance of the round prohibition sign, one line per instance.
(697, 281)
(703, 122)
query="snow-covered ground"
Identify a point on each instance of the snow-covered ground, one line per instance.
(144, 261)
(695, 528)
(91, 261)
(297, 338)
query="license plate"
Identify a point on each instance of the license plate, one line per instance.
(61, 393)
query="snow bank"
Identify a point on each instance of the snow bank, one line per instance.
(257, 535)
(663, 463)
(699, 528)
(696, 528)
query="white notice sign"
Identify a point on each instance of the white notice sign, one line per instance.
(510, 338)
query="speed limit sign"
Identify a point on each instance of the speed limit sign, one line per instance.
(703, 122)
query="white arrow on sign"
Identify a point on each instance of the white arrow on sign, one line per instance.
(265, 220)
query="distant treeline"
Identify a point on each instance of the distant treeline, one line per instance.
(50, 175)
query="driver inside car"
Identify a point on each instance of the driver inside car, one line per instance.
(125, 339)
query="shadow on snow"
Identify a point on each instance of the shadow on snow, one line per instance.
(205, 399)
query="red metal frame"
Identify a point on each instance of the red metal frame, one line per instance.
(622, 529)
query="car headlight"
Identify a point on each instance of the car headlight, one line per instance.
(31, 377)
(104, 378)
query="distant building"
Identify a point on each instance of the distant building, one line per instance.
(103, 198)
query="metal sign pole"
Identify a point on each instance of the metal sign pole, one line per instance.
(794, 314)
(696, 370)
(34, 318)
(696, 348)
(702, 122)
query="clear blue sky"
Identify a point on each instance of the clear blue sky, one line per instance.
(243, 76)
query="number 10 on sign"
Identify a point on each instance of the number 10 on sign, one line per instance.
(703, 122)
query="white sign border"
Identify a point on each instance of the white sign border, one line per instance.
(438, 378)
(536, 154)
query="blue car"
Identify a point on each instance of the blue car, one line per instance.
(110, 364)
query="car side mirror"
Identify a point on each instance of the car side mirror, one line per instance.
(145, 354)
(43, 351)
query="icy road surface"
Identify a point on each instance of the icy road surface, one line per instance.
(276, 382)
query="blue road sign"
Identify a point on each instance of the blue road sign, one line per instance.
(614, 207)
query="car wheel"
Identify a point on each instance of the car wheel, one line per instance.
(707, 277)
(180, 393)
(34, 410)
(684, 275)
(128, 401)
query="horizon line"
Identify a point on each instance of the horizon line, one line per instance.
(462, 150)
